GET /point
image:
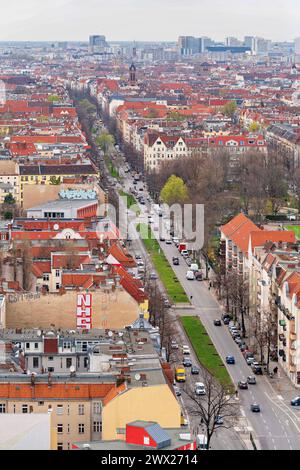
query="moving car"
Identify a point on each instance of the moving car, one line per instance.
(195, 370)
(190, 276)
(175, 261)
(200, 388)
(230, 360)
(186, 350)
(153, 276)
(162, 239)
(295, 401)
(168, 241)
(243, 385)
(180, 375)
(251, 380)
(187, 362)
(255, 408)
(217, 322)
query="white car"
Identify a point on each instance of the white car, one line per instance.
(184, 253)
(186, 350)
(194, 267)
(200, 388)
(190, 275)
(174, 345)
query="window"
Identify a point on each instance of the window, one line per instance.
(60, 410)
(50, 369)
(40, 403)
(36, 345)
(68, 362)
(86, 362)
(60, 446)
(81, 409)
(50, 358)
(27, 345)
(60, 428)
(67, 345)
(96, 426)
(57, 286)
(57, 272)
(97, 407)
(35, 361)
(46, 277)
(146, 440)
(2, 408)
(80, 428)
(24, 408)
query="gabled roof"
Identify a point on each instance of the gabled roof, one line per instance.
(238, 230)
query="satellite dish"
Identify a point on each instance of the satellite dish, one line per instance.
(110, 334)
(56, 227)
(121, 334)
(137, 377)
(72, 369)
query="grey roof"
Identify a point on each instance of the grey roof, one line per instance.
(159, 435)
(64, 204)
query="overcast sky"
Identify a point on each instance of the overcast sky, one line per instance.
(147, 19)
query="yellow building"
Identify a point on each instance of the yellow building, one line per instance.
(151, 403)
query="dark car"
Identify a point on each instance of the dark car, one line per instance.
(257, 369)
(295, 401)
(230, 360)
(176, 261)
(226, 320)
(198, 276)
(219, 420)
(251, 380)
(255, 408)
(242, 385)
(162, 239)
(187, 362)
(195, 370)
(217, 322)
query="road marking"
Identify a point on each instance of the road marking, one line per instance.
(280, 397)
(243, 413)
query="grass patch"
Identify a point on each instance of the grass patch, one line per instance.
(131, 202)
(295, 229)
(205, 350)
(174, 289)
(114, 172)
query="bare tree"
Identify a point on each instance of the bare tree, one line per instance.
(264, 331)
(218, 402)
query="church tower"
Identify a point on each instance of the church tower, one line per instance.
(132, 74)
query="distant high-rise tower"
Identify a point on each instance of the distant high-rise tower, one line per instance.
(97, 43)
(132, 74)
(297, 46)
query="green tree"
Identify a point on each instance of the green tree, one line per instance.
(87, 106)
(176, 116)
(174, 191)
(53, 98)
(9, 199)
(254, 126)
(8, 215)
(229, 108)
(105, 141)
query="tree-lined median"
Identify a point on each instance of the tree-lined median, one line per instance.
(205, 350)
(173, 287)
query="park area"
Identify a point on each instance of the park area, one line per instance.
(205, 350)
(295, 229)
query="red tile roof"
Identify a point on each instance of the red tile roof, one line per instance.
(61, 391)
(238, 230)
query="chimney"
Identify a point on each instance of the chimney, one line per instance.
(32, 380)
(49, 380)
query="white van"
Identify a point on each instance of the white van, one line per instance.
(190, 275)
(201, 442)
(194, 267)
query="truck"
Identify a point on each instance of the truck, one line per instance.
(181, 246)
(180, 374)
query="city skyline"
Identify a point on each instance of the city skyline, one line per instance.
(125, 20)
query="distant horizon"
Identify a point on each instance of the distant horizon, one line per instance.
(154, 20)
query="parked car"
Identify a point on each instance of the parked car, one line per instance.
(295, 401)
(162, 239)
(174, 345)
(177, 391)
(257, 369)
(219, 420)
(187, 362)
(217, 322)
(188, 261)
(238, 340)
(251, 380)
(185, 253)
(230, 360)
(195, 370)
(194, 267)
(190, 276)
(250, 360)
(255, 408)
(200, 388)
(243, 385)
(198, 276)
